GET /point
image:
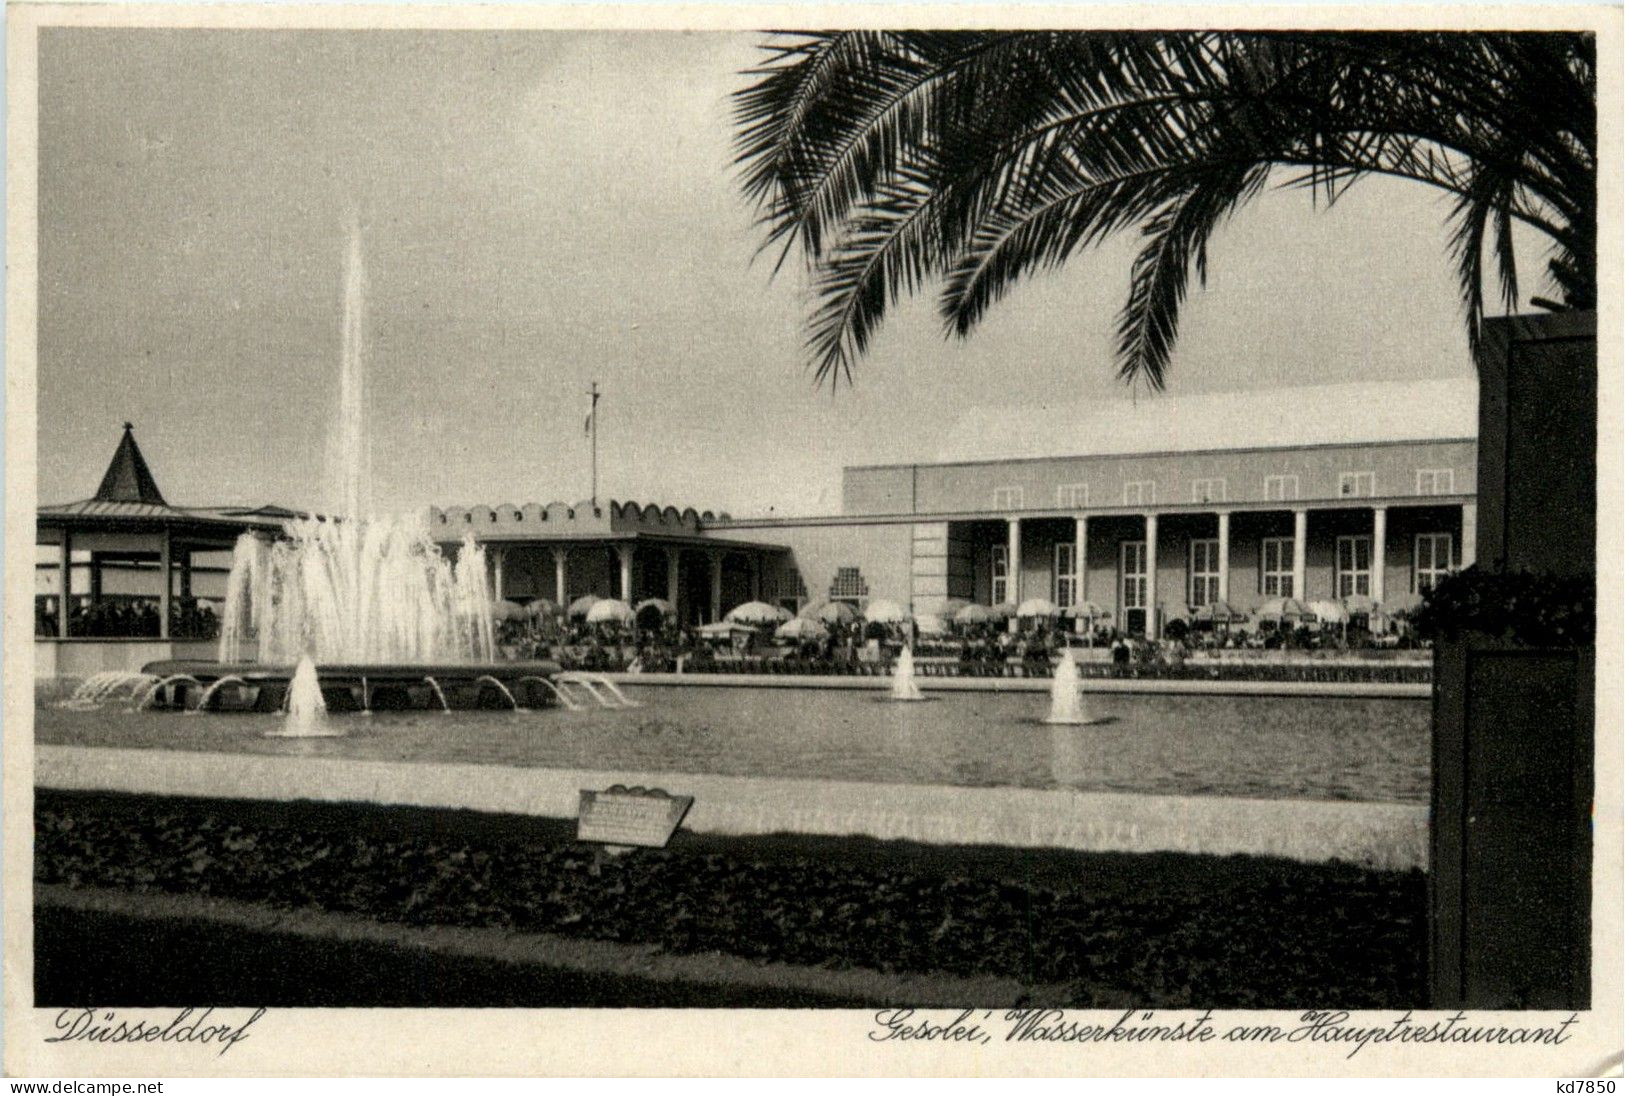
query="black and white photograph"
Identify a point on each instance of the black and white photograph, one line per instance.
(975, 541)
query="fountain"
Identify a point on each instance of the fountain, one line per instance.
(367, 601)
(307, 710)
(902, 686)
(1066, 695)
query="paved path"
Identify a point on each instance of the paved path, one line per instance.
(1379, 835)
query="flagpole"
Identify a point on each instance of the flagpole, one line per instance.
(593, 419)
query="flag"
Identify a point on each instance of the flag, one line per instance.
(586, 427)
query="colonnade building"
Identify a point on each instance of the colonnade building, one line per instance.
(1378, 503)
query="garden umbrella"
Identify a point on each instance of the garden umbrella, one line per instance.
(1084, 610)
(930, 624)
(579, 607)
(725, 628)
(1220, 612)
(1284, 608)
(973, 614)
(506, 610)
(1036, 607)
(951, 607)
(610, 611)
(1361, 605)
(754, 612)
(665, 607)
(881, 611)
(1329, 612)
(801, 628)
(1004, 610)
(837, 612)
(542, 609)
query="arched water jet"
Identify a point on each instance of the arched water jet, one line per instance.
(487, 677)
(152, 691)
(626, 701)
(603, 701)
(564, 698)
(214, 687)
(435, 685)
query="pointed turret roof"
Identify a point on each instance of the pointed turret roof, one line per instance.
(128, 478)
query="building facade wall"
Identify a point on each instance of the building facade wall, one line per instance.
(1239, 476)
(882, 553)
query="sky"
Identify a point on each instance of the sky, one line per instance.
(540, 210)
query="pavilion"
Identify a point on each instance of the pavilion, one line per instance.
(136, 571)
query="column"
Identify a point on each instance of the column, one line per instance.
(1080, 569)
(496, 568)
(625, 552)
(716, 587)
(561, 566)
(165, 593)
(65, 570)
(1224, 556)
(1300, 546)
(1012, 568)
(1469, 534)
(672, 573)
(1151, 629)
(1379, 552)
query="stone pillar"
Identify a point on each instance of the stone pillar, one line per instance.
(624, 551)
(1469, 534)
(1080, 569)
(165, 591)
(716, 587)
(1151, 629)
(65, 570)
(672, 577)
(1012, 568)
(1224, 556)
(496, 572)
(561, 568)
(1300, 548)
(1379, 553)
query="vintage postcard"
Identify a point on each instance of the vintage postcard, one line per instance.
(1070, 541)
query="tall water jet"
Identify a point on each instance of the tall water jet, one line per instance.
(356, 588)
(1066, 694)
(902, 685)
(307, 709)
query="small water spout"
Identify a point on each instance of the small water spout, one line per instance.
(499, 685)
(203, 701)
(903, 686)
(366, 696)
(435, 685)
(99, 688)
(564, 697)
(306, 707)
(1066, 695)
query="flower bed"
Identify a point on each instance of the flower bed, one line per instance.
(1241, 932)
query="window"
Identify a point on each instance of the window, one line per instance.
(1001, 574)
(1133, 575)
(1435, 481)
(1275, 571)
(848, 585)
(1357, 485)
(1280, 488)
(1007, 498)
(1072, 496)
(1353, 566)
(1434, 552)
(1204, 573)
(1207, 490)
(1139, 492)
(1066, 578)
